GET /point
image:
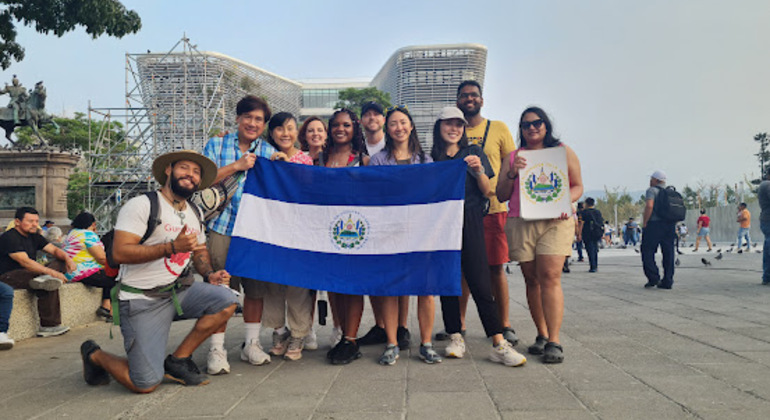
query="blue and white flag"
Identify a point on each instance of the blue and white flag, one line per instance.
(379, 230)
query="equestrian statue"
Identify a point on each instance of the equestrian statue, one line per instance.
(25, 108)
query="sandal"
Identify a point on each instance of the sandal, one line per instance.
(553, 353)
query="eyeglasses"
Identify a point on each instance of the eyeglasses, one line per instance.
(526, 124)
(474, 95)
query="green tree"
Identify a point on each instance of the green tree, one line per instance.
(77, 192)
(59, 17)
(353, 98)
(763, 156)
(73, 133)
(624, 202)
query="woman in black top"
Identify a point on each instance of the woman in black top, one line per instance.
(450, 142)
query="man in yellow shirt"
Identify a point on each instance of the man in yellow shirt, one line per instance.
(496, 141)
(744, 220)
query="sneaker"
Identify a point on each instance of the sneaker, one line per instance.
(390, 355)
(456, 348)
(553, 353)
(253, 353)
(539, 345)
(93, 374)
(104, 313)
(403, 338)
(505, 354)
(52, 331)
(429, 355)
(443, 335)
(336, 337)
(216, 363)
(6, 343)
(345, 352)
(45, 282)
(294, 349)
(311, 341)
(510, 335)
(279, 343)
(650, 284)
(376, 335)
(184, 371)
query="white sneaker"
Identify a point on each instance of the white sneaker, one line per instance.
(6, 343)
(505, 354)
(336, 336)
(456, 348)
(311, 341)
(217, 362)
(52, 331)
(45, 282)
(253, 353)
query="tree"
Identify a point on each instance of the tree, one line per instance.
(625, 203)
(353, 98)
(764, 154)
(62, 16)
(73, 133)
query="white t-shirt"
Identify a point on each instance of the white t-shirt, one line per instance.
(133, 219)
(373, 150)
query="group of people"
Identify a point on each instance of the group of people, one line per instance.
(156, 285)
(78, 257)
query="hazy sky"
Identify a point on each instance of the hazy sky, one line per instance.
(632, 86)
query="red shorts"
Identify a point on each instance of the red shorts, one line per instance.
(494, 236)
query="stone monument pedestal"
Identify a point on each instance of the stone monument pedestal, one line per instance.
(37, 179)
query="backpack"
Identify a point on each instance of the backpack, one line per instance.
(593, 229)
(152, 222)
(669, 205)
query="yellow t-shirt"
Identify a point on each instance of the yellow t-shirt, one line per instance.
(499, 145)
(746, 223)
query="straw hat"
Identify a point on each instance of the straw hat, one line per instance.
(208, 167)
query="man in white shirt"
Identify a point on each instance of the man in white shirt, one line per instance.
(156, 286)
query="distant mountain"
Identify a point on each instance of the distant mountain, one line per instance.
(599, 194)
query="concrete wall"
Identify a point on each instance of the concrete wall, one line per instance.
(723, 226)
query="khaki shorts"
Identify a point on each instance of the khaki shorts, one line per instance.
(218, 246)
(526, 239)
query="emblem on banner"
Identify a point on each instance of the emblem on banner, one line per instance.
(543, 183)
(348, 230)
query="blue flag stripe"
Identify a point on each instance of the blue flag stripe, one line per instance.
(415, 274)
(383, 185)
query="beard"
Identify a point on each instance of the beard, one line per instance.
(181, 191)
(470, 112)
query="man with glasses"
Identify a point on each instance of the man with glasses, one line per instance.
(496, 141)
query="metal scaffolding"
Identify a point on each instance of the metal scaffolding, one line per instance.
(174, 101)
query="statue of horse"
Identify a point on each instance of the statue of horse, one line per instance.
(31, 113)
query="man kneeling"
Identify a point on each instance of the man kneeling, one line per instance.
(156, 286)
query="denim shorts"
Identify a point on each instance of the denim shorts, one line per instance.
(704, 231)
(145, 325)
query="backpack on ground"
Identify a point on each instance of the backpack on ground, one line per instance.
(669, 205)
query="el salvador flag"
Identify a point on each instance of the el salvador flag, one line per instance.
(380, 230)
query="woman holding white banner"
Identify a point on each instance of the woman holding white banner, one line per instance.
(402, 147)
(450, 142)
(540, 246)
(280, 299)
(344, 148)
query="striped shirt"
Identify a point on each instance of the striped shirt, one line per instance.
(224, 151)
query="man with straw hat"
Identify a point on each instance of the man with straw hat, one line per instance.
(156, 283)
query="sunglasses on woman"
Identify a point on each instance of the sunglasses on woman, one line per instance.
(526, 124)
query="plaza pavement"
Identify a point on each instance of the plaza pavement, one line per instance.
(699, 351)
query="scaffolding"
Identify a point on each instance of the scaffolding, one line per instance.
(174, 101)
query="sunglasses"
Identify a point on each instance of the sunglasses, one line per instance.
(525, 125)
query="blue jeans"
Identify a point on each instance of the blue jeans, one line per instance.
(744, 233)
(659, 234)
(6, 305)
(579, 247)
(766, 252)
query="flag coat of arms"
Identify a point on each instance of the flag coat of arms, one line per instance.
(380, 231)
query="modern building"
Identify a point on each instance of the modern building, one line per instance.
(179, 99)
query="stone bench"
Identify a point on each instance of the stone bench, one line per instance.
(78, 307)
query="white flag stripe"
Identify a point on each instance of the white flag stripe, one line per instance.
(391, 229)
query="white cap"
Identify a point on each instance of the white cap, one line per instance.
(659, 175)
(452, 112)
